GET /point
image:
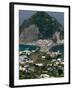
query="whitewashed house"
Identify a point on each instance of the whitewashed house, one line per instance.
(39, 64)
(44, 76)
(43, 57)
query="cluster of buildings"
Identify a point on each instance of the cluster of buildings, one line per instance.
(45, 45)
(28, 66)
(44, 42)
(24, 59)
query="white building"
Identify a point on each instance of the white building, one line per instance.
(57, 63)
(44, 76)
(43, 57)
(59, 59)
(39, 64)
(22, 68)
(27, 52)
(23, 58)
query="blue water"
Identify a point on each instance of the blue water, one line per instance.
(27, 47)
(57, 48)
(33, 47)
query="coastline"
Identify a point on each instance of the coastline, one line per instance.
(46, 44)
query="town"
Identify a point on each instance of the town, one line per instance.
(41, 63)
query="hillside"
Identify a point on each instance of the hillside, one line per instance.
(40, 26)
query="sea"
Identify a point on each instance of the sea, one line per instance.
(23, 47)
(57, 48)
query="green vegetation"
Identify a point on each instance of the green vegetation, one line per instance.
(49, 67)
(44, 31)
(47, 25)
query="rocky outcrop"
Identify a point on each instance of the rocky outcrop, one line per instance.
(56, 37)
(40, 26)
(29, 34)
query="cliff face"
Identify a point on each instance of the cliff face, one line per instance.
(40, 26)
(29, 34)
(56, 37)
